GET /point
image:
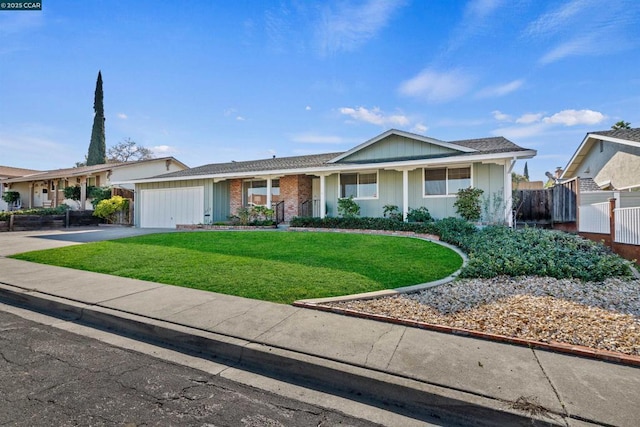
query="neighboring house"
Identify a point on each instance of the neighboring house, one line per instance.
(45, 189)
(611, 158)
(394, 168)
(10, 172)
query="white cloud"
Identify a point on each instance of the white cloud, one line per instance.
(554, 21)
(240, 119)
(164, 149)
(520, 132)
(500, 90)
(500, 116)
(437, 86)
(475, 16)
(307, 108)
(582, 45)
(344, 26)
(575, 117)
(375, 116)
(585, 27)
(122, 116)
(528, 118)
(314, 138)
(420, 128)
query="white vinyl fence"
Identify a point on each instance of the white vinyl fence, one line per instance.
(594, 218)
(627, 225)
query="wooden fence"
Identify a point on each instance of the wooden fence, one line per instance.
(544, 207)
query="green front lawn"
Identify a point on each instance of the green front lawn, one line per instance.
(272, 266)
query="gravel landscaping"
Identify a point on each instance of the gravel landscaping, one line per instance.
(600, 315)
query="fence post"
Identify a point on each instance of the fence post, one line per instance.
(11, 222)
(612, 220)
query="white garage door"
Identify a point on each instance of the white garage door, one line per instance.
(164, 208)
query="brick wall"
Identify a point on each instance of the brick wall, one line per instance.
(294, 189)
(235, 192)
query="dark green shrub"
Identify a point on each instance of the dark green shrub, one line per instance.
(392, 212)
(348, 208)
(499, 250)
(11, 196)
(420, 214)
(467, 203)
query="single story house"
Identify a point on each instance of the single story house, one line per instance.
(45, 188)
(394, 168)
(611, 158)
(11, 172)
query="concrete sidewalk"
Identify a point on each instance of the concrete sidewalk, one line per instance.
(415, 372)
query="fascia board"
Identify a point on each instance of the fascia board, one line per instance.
(569, 168)
(337, 168)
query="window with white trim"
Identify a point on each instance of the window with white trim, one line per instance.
(255, 192)
(446, 181)
(359, 185)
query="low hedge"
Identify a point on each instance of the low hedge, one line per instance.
(499, 250)
(60, 210)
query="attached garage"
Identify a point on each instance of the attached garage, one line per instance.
(166, 207)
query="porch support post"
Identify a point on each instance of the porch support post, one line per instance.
(31, 195)
(55, 183)
(405, 194)
(323, 197)
(269, 184)
(507, 196)
(83, 193)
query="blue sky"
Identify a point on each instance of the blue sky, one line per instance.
(215, 81)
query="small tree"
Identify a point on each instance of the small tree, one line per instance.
(127, 151)
(467, 203)
(11, 196)
(621, 125)
(348, 208)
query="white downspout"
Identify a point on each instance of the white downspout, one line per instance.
(323, 197)
(269, 184)
(405, 193)
(508, 191)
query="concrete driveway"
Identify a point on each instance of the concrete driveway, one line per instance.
(24, 241)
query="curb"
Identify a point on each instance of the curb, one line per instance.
(399, 394)
(574, 350)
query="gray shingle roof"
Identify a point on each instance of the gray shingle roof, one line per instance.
(588, 184)
(483, 145)
(496, 144)
(628, 134)
(275, 163)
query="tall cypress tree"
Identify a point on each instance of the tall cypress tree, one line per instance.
(526, 171)
(98, 147)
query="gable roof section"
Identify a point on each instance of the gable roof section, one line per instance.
(82, 170)
(427, 141)
(619, 136)
(480, 149)
(11, 172)
(274, 163)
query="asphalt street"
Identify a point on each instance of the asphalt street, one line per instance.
(50, 377)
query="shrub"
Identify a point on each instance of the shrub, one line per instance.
(98, 194)
(348, 208)
(498, 250)
(256, 215)
(108, 208)
(467, 203)
(11, 196)
(420, 214)
(392, 212)
(60, 210)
